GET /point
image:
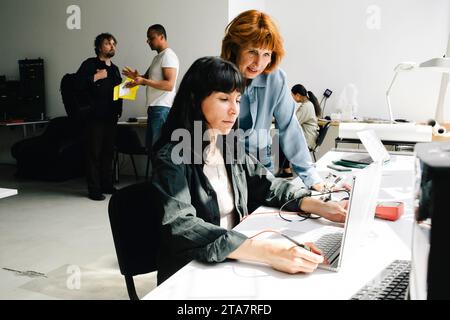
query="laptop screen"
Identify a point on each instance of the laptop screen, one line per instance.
(338, 242)
(374, 146)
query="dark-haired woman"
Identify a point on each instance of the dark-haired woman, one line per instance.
(206, 185)
(308, 111)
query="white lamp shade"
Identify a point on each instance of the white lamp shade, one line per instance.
(405, 66)
(437, 64)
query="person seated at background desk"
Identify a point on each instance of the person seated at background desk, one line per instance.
(204, 185)
(308, 113)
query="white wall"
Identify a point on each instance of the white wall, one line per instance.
(331, 44)
(31, 29)
(237, 6)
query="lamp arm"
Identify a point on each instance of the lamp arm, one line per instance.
(388, 100)
(392, 83)
(439, 115)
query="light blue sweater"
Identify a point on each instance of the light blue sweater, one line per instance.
(265, 98)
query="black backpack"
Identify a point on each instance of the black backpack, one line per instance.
(75, 99)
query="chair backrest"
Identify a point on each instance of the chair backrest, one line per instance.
(60, 128)
(128, 141)
(322, 133)
(135, 225)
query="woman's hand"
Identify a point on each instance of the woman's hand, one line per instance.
(318, 186)
(292, 259)
(282, 255)
(331, 210)
(334, 211)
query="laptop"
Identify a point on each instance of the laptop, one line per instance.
(359, 158)
(374, 146)
(337, 242)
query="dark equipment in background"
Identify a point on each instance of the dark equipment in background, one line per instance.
(24, 99)
(10, 98)
(3, 98)
(32, 84)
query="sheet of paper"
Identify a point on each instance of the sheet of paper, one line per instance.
(124, 91)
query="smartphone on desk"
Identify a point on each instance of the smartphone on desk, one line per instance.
(338, 168)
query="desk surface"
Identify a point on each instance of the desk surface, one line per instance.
(23, 123)
(7, 192)
(132, 124)
(244, 280)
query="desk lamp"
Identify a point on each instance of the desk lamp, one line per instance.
(404, 66)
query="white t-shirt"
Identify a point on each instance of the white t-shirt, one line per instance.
(165, 59)
(214, 169)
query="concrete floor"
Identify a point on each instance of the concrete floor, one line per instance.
(55, 243)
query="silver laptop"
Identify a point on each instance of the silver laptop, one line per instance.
(337, 242)
(374, 146)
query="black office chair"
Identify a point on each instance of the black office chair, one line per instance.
(322, 133)
(128, 142)
(55, 155)
(135, 226)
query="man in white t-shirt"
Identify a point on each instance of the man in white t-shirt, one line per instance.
(160, 80)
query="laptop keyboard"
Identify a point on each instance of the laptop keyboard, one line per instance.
(330, 245)
(390, 284)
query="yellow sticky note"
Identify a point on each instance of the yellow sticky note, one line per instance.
(122, 92)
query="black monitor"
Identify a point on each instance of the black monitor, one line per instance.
(430, 261)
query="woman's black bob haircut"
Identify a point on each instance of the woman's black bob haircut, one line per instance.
(205, 76)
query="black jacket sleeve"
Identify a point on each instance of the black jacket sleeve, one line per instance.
(86, 73)
(264, 189)
(189, 235)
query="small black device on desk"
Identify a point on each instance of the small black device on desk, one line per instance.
(349, 164)
(361, 158)
(338, 167)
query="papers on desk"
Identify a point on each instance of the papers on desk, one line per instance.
(122, 92)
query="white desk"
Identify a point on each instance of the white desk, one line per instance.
(243, 280)
(132, 124)
(7, 192)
